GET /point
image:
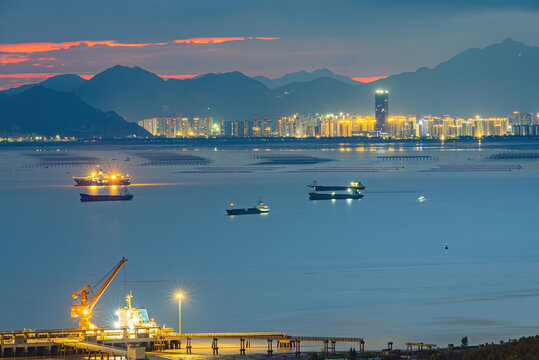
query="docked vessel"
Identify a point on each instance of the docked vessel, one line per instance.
(126, 195)
(259, 208)
(351, 192)
(129, 317)
(100, 178)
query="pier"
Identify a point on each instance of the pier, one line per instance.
(132, 344)
(282, 340)
(106, 343)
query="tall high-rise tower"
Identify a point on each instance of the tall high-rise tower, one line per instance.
(381, 109)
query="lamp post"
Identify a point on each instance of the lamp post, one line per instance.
(179, 296)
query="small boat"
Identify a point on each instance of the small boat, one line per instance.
(421, 199)
(259, 208)
(334, 196)
(126, 195)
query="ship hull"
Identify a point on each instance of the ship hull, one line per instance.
(86, 197)
(249, 211)
(336, 188)
(318, 196)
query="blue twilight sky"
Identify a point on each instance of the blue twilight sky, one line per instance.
(358, 38)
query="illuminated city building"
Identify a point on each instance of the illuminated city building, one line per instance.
(381, 109)
(266, 127)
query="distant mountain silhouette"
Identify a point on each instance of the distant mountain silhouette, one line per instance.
(303, 76)
(491, 81)
(324, 95)
(65, 82)
(136, 94)
(495, 80)
(43, 111)
(126, 90)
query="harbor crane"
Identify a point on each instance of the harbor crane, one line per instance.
(87, 297)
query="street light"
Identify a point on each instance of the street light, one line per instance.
(179, 296)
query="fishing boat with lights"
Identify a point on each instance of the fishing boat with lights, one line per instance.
(100, 178)
(352, 191)
(259, 208)
(125, 195)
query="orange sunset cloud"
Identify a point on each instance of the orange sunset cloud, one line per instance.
(28, 75)
(13, 59)
(33, 47)
(50, 46)
(179, 77)
(368, 79)
(218, 40)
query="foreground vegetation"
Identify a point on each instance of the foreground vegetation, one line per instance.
(525, 348)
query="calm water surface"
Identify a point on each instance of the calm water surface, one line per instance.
(374, 268)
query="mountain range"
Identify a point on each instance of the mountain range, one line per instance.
(492, 81)
(46, 112)
(303, 76)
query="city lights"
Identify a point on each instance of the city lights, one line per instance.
(383, 125)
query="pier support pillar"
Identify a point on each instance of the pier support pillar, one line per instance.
(242, 346)
(188, 345)
(214, 346)
(248, 343)
(362, 347)
(326, 346)
(298, 349)
(270, 347)
(333, 342)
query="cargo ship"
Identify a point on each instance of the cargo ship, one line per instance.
(259, 208)
(351, 192)
(126, 195)
(354, 185)
(334, 196)
(99, 178)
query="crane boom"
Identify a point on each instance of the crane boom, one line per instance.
(87, 298)
(100, 292)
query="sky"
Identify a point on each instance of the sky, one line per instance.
(183, 38)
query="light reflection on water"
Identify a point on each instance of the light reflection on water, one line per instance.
(375, 268)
